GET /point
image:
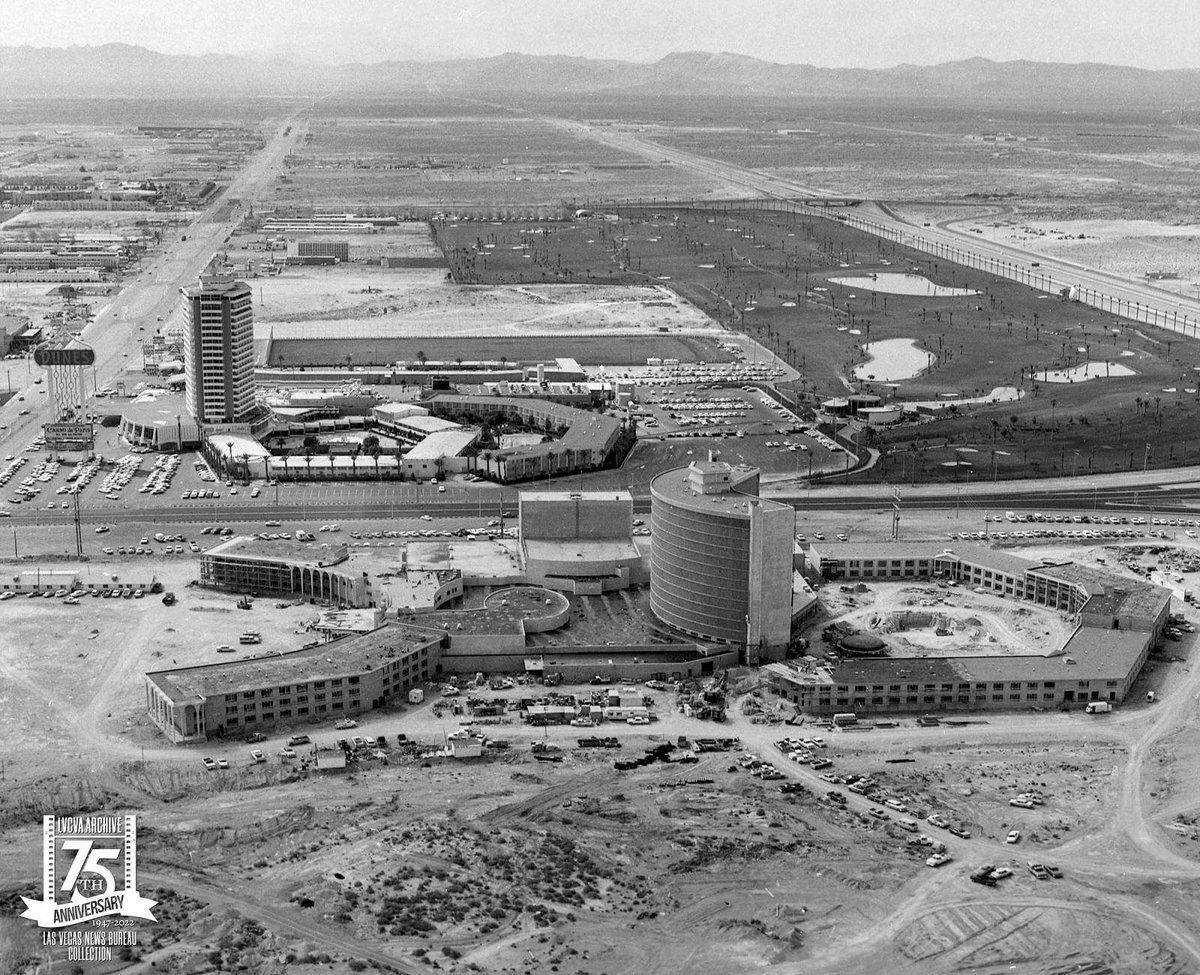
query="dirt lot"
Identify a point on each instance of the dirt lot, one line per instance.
(522, 865)
(481, 161)
(927, 621)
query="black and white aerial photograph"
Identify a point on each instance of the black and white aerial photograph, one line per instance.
(563, 487)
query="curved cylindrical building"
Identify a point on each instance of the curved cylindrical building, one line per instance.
(721, 557)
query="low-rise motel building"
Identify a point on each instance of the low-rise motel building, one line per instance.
(1118, 620)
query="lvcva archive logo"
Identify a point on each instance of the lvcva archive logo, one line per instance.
(89, 872)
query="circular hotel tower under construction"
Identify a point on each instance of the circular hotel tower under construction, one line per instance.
(721, 558)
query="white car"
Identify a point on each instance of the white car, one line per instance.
(1014, 836)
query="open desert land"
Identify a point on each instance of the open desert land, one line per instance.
(1130, 162)
(1130, 248)
(317, 316)
(519, 865)
(489, 163)
(515, 865)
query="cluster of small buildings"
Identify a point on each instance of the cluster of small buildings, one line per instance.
(221, 411)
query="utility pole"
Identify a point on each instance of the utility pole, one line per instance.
(78, 531)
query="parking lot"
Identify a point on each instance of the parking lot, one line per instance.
(671, 409)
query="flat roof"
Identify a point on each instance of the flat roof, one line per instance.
(282, 549)
(878, 670)
(401, 409)
(603, 656)
(675, 487)
(583, 549)
(620, 495)
(503, 612)
(242, 446)
(585, 430)
(217, 285)
(346, 657)
(319, 461)
(424, 423)
(161, 410)
(447, 443)
(877, 551)
(997, 560)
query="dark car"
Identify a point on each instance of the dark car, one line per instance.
(255, 736)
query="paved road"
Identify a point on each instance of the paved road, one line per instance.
(945, 241)
(486, 503)
(149, 299)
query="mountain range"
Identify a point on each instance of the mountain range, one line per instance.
(116, 70)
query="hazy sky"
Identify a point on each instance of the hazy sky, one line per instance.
(832, 33)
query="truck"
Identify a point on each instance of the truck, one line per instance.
(1098, 707)
(416, 695)
(250, 636)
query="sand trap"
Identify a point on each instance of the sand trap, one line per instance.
(892, 360)
(1089, 370)
(1001, 394)
(902, 284)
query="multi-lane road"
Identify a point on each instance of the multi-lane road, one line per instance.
(943, 239)
(146, 302)
(405, 502)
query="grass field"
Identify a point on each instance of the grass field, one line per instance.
(766, 274)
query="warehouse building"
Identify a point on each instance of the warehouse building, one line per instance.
(301, 250)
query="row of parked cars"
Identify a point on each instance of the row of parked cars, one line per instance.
(121, 474)
(161, 474)
(72, 597)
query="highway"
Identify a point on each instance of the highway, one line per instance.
(148, 299)
(1130, 297)
(406, 502)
